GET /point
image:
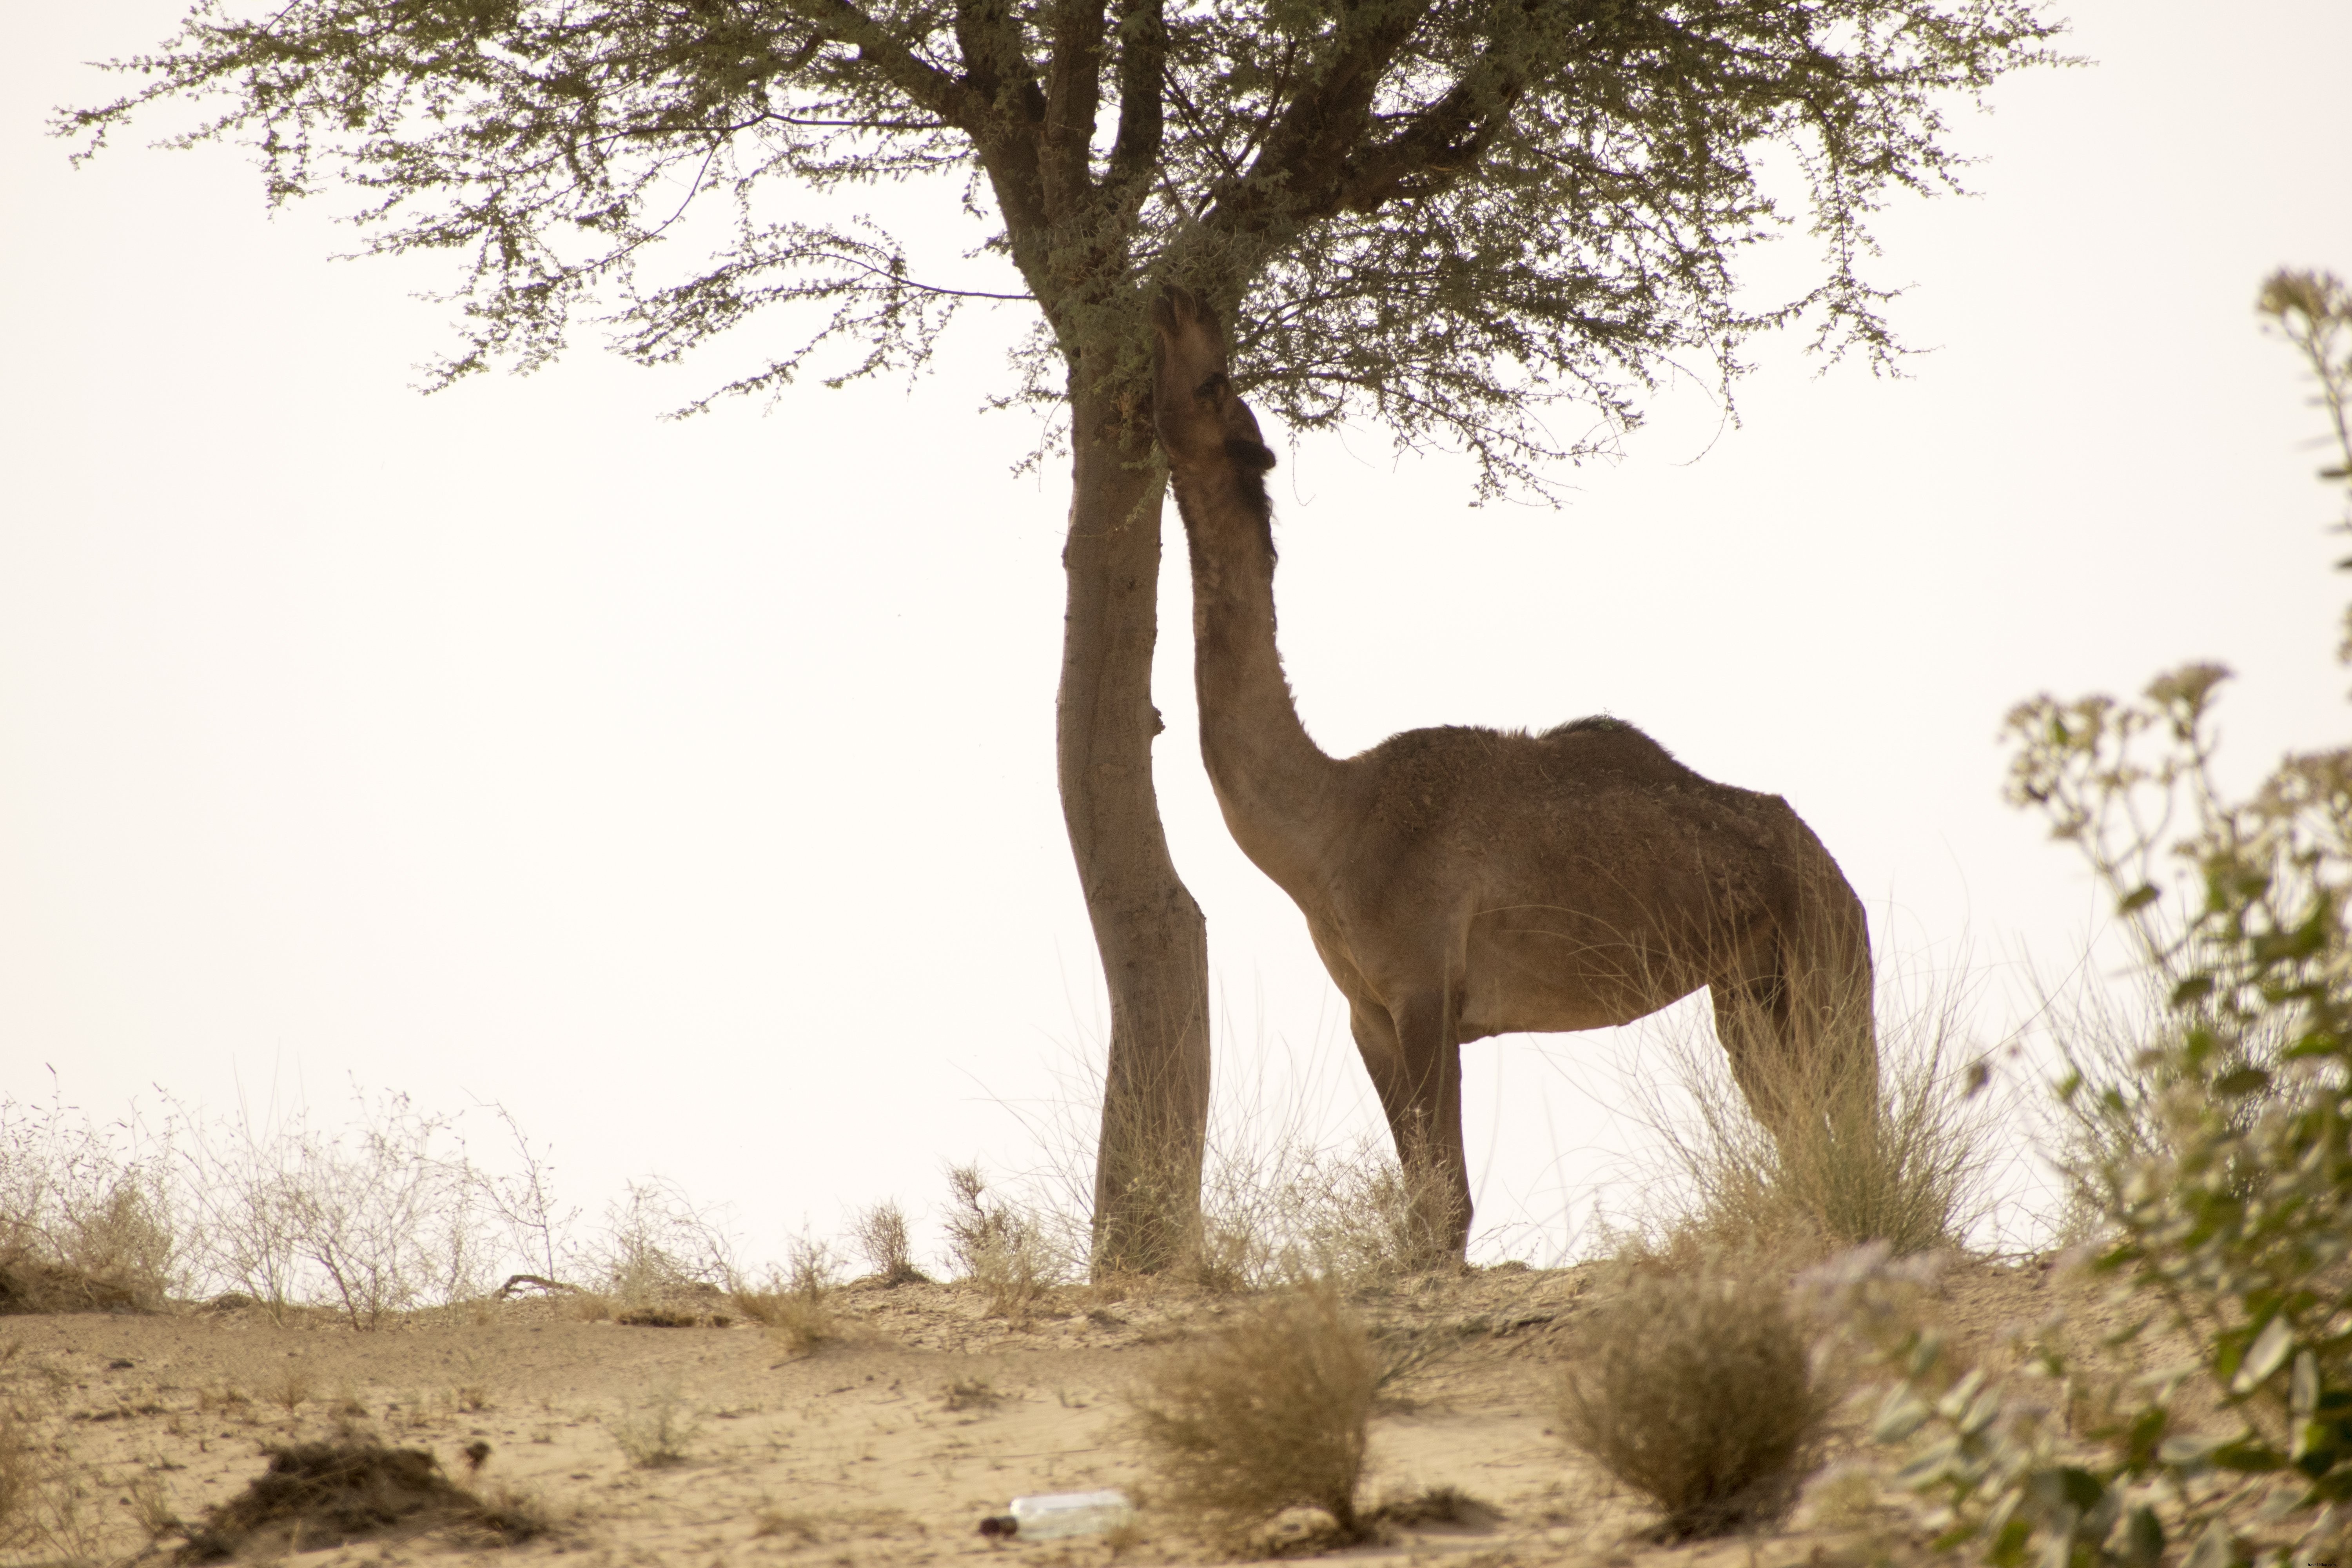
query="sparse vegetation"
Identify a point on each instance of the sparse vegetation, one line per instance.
(1912, 1173)
(880, 1232)
(970, 1394)
(660, 1246)
(1696, 1391)
(657, 1430)
(796, 1303)
(998, 1246)
(86, 1215)
(1270, 1413)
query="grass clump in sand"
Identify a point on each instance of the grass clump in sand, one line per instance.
(882, 1235)
(1001, 1248)
(86, 1216)
(1268, 1414)
(796, 1303)
(1698, 1393)
(655, 1432)
(1907, 1166)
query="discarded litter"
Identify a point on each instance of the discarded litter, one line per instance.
(1054, 1514)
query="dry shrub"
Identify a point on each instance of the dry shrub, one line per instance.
(657, 1431)
(1911, 1170)
(1278, 1202)
(1698, 1392)
(1294, 1210)
(970, 1394)
(1005, 1249)
(323, 1494)
(1267, 1414)
(375, 1217)
(881, 1234)
(659, 1247)
(87, 1222)
(796, 1303)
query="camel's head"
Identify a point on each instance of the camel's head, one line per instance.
(1198, 416)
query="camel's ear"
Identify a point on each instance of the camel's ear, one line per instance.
(1163, 310)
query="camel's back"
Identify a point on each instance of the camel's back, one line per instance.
(1592, 792)
(1422, 778)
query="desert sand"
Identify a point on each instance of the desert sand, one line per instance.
(887, 1444)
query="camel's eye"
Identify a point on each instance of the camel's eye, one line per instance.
(1209, 387)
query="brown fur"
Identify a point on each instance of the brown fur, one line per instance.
(1464, 882)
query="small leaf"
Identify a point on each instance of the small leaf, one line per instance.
(2303, 1389)
(2266, 1356)
(2189, 1453)
(2196, 988)
(2213, 1548)
(2142, 1539)
(2244, 1081)
(1956, 1399)
(1900, 1415)
(2249, 1455)
(2139, 897)
(1980, 1413)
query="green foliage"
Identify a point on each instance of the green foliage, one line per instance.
(1439, 214)
(2227, 1182)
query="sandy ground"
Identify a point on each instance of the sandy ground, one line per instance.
(886, 1446)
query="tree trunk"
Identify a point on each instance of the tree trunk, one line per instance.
(1153, 940)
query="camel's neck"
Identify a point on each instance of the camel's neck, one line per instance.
(1276, 788)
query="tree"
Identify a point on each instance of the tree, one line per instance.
(1444, 215)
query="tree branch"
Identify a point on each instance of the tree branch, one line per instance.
(1072, 94)
(1142, 57)
(924, 83)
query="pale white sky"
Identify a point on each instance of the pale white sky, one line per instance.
(689, 788)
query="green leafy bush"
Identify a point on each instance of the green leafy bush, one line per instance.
(2222, 1164)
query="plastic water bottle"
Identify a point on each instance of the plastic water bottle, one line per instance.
(1054, 1514)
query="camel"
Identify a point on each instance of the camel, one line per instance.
(1461, 882)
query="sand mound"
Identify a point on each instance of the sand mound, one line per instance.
(323, 1494)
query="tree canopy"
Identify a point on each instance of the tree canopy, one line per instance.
(1440, 215)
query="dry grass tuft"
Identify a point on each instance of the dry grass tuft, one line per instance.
(971, 1393)
(1002, 1249)
(1295, 1210)
(1910, 1170)
(323, 1494)
(86, 1223)
(289, 1390)
(1268, 1414)
(1698, 1393)
(796, 1303)
(657, 1431)
(882, 1235)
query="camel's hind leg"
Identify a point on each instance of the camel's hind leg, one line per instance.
(1416, 1069)
(1798, 1027)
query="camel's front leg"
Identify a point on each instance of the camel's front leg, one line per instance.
(1416, 1068)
